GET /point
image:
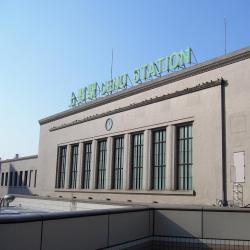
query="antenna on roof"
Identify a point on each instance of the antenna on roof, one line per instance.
(112, 65)
(225, 34)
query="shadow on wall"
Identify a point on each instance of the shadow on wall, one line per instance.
(179, 230)
(19, 182)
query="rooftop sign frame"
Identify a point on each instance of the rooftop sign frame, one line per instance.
(158, 68)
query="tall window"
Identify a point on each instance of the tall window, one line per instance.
(86, 168)
(35, 178)
(61, 166)
(21, 178)
(184, 157)
(6, 179)
(11, 179)
(73, 166)
(118, 163)
(25, 178)
(2, 179)
(15, 178)
(101, 170)
(137, 160)
(159, 156)
(30, 176)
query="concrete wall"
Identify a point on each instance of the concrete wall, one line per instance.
(93, 231)
(205, 223)
(168, 113)
(113, 228)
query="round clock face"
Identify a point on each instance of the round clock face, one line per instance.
(109, 124)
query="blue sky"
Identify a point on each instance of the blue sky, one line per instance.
(50, 48)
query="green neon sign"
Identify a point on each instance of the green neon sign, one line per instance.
(172, 62)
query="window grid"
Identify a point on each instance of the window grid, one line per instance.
(184, 157)
(73, 166)
(101, 171)
(118, 163)
(60, 173)
(159, 156)
(137, 161)
(86, 166)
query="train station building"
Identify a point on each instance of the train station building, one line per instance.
(179, 138)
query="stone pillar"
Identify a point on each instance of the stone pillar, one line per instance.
(93, 165)
(147, 158)
(169, 157)
(67, 170)
(109, 162)
(126, 162)
(79, 165)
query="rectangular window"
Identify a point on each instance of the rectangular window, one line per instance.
(137, 161)
(6, 179)
(118, 163)
(73, 166)
(15, 178)
(184, 157)
(35, 178)
(159, 159)
(21, 178)
(86, 168)
(2, 179)
(25, 178)
(30, 177)
(61, 166)
(11, 179)
(101, 170)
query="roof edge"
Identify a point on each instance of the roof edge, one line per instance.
(20, 158)
(235, 56)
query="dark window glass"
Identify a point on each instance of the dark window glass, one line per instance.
(101, 170)
(6, 179)
(30, 176)
(73, 166)
(158, 159)
(184, 157)
(118, 163)
(2, 179)
(35, 178)
(11, 179)
(86, 169)
(61, 166)
(21, 178)
(15, 178)
(137, 161)
(25, 178)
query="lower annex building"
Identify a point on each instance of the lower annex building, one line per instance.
(183, 138)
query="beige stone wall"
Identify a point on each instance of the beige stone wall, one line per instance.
(203, 108)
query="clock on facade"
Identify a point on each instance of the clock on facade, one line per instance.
(109, 124)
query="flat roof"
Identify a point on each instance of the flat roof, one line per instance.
(217, 62)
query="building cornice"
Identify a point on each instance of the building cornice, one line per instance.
(156, 99)
(20, 158)
(215, 63)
